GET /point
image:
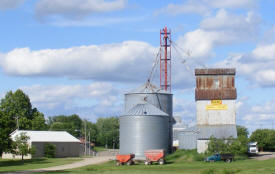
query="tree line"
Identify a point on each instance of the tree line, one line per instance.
(265, 139)
(16, 111)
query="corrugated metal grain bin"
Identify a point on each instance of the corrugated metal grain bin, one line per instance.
(161, 99)
(142, 128)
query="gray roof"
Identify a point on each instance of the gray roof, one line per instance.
(149, 88)
(145, 109)
(217, 131)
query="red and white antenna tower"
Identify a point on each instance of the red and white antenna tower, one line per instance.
(165, 59)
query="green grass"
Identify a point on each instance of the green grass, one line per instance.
(181, 162)
(18, 165)
(99, 148)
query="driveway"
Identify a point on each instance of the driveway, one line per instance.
(264, 156)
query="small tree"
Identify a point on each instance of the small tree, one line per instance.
(21, 146)
(49, 150)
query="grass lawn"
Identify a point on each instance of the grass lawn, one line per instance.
(18, 165)
(99, 148)
(182, 163)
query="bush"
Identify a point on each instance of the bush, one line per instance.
(49, 150)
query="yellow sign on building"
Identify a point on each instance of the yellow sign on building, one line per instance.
(216, 105)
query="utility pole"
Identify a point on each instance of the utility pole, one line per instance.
(89, 142)
(85, 138)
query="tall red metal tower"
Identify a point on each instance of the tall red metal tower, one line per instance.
(165, 59)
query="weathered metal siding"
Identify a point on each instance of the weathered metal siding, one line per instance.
(188, 140)
(215, 71)
(214, 87)
(215, 117)
(218, 131)
(202, 146)
(63, 149)
(140, 133)
(163, 101)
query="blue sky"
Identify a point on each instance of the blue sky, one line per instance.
(81, 56)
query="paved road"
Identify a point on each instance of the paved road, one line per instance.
(85, 162)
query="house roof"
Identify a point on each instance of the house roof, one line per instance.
(46, 136)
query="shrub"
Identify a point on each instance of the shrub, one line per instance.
(49, 150)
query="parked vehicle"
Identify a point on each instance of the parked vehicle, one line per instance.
(220, 157)
(157, 155)
(125, 159)
(253, 148)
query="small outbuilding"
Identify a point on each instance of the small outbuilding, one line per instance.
(66, 144)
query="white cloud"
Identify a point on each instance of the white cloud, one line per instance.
(221, 29)
(7, 4)
(264, 52)
(73, 9)
(80, 99)
(126, 61)
(231, 3)
(187, 7)
(257, 66)
(95, 21)
(261, 113)
(226, 21)
(205, 7)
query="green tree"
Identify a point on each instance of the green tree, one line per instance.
(265, 138)
(71, 124)
(21, 146)
(242, 131)
(216, 145)
(38, 121)
(18, 104)
(108, 131)
(49, 150)
(6, 127)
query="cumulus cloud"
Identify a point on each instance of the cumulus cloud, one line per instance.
(223, 21)
(8, 4)
(188, 7)
(220, 29)
(81, 99)
(257, 66)
(260, 115)
(76, 9)
(126, 61)
(264, 52)
(204, 7)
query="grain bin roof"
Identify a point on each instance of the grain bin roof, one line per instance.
(46, 136)
(145, 109)
(215, 71)
(148, 88)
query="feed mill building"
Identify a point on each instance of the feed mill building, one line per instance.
(215, 97)
(66, 144)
